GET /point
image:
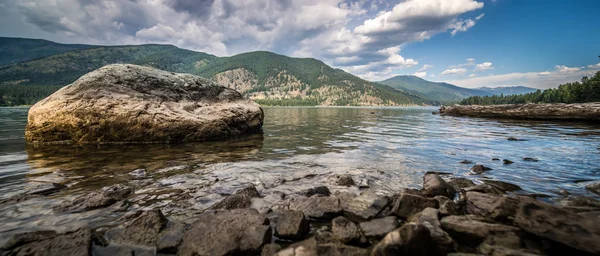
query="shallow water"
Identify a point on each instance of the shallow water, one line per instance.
(386, 148)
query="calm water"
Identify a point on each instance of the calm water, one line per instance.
(386, 148)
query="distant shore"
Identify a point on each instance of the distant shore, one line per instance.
(555, 111)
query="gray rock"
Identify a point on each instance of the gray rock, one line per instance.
(465, 162)
(45, 189)
(318, 207)
(364, 207)
(472, 230)
(436, 186)
(556, 111)
(530, 159)
(406, 205)
(506, 161)
(574, 230)
(460, 183)
(447, 206)
(443, 242)
(345, 230)
(233, 202)
(138, 173)
(249, 191)
(500, 208)
(270, 249)
(580, 201)
(141, 104)
(170, 238)
(97, 199)
(143, 230)
(291, 225)
(49, 243)
(410, 239)
(345, 180)
(504, 186)
(321, 190)
(479, 169)
(594, 187)
(310, 247)
(378, 228)
(484, 188)
(226, 232)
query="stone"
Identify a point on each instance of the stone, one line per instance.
(226, 232)
(594, 187)
(138, 173)
(495, 159)
(574, 230)
(249, 191)
(580, 201)
(45, 189)
(378, 228)
(270, 249)
(170, 238)
(479, 169)
(124, 103)
(460, 183)
(364, 207)
(345, 180)
(77, 242)
(143, 230)
(436, 186)
(499, 208)
(321, 190)
(291, 225)
(504, 186)
(447, 206)
(506, 161)
(530, 159)
(484, 188)
(472, 230)
(233, 202)
(406, 205)
(345, 230)
(443, 242)
(465, 162)
(310, 247)
(319, 208)
(410, 239)
(94, 200)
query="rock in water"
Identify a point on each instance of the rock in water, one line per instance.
(134, 104)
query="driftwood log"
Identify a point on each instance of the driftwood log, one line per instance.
(558, 111)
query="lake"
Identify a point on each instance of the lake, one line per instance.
(386, 149)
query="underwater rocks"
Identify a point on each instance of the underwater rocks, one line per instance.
(123, 103)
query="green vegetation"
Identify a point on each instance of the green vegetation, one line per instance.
(588, 90)
(14, 50)
(16, 95)
(288, 102)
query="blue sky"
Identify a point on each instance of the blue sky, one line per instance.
(469, 43)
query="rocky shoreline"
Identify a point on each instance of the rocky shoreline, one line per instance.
(557, 111)
(448, 216)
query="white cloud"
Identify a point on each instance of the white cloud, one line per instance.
(483, 66)
(464, 25)
(454, 71)
(425, 67)
(472, 75)
(541, 80)
(420, 74)
(595, 66)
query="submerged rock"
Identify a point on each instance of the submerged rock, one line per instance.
(479, 169)
(506, 161)
(123, 103)
(97, 199)
(45, 189)
(226, 232)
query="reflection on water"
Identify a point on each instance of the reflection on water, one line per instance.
(385, 148)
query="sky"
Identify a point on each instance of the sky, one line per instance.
(469, 43)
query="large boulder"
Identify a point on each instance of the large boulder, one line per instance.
(472, 230)
(134, 104)
(500, 208)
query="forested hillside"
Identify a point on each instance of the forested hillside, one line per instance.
(15, 50)
(588, 90)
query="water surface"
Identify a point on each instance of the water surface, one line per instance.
(387, 149)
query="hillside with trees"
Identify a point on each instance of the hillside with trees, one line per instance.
(15, 50)
(588, 90)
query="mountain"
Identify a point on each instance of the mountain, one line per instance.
(15, 50)
(447, 93)
(266, 77)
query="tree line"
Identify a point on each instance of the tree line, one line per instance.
(588, 90)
